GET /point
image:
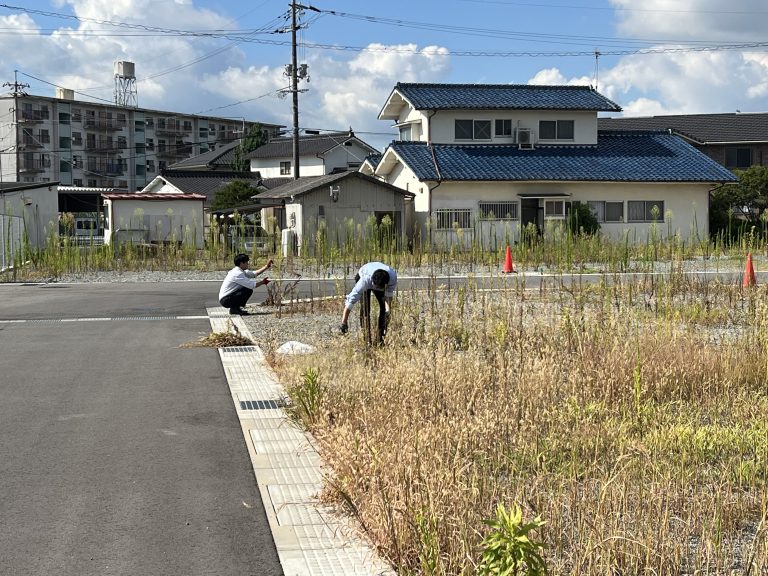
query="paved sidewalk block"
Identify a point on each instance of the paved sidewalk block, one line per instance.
(311, 539)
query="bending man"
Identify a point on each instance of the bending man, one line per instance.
(239, 284)
(376, 278)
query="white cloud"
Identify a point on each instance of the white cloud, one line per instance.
(341, 93)
(709, 20)
(553, 77)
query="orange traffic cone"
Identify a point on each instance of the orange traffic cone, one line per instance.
(509, 267)
(749, 272)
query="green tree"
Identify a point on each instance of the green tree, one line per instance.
(581, 220)
(250, 141)
(236, 193)
(743, 203)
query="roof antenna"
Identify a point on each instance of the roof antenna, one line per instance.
(597, 66)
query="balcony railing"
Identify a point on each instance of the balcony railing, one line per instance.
(34, 165)
(34, 115)
(30, 142)
(105, 123)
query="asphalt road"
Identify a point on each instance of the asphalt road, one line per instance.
(120, 451)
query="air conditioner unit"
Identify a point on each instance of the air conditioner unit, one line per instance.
(524, 138)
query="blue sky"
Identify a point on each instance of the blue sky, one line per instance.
(226, 58)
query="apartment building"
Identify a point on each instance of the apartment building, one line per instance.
(92, 144)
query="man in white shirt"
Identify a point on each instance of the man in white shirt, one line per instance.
(239, 284)
(373, 278)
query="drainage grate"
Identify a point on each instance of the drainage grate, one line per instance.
(261, 404)
(239, 349)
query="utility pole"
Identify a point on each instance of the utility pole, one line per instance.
(294, 92)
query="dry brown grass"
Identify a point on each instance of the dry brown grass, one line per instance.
(632, 418)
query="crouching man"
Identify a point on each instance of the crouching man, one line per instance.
(239, 284)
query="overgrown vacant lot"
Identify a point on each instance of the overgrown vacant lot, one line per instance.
(633, 418)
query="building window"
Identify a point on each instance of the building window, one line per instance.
(405, 133)
(139, 125)
(141, 170)
(77, 161)
(645, 211)
(472, 129)
(45, 137)
(65, 142)
(140, 148)
(607, 211)
(498, 210)
(738, 157)
(504, 129)
(556, 130)
(150, 122)
(150, 143)
(122, 142)
(64, 117)
(150, 165)
(448, 219)
(92, 182)
(554, 208)
(161, 165)
(285, 168)
(77, 115)
(77, 139)
(77, 182)
(204, 133)
(64, 166)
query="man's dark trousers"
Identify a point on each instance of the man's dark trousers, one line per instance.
(237, 299)
(365, 314)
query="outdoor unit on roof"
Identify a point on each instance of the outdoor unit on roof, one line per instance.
(524, 139)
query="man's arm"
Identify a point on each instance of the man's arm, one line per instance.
(264, 268)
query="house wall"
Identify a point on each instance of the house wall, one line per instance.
(146, 221)
(685, 208)
(585, 123)
(718, 153)
(443, 124)
(270, 167)
(344, 157)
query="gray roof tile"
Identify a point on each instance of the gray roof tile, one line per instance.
(504, 96)
(617, 157)
(701, 128)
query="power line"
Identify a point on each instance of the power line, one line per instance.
(275, 92)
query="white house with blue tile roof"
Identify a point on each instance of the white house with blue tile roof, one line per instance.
(490, 159)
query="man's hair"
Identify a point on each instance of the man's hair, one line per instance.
(380, 278)
(241, 258)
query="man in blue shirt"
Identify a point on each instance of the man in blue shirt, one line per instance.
(376, 278)
(239, 284)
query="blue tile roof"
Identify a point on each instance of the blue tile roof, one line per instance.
(504, 96)
(628, 156)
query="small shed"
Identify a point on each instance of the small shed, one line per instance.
(338, 205)
(28, 214)
(146, 218)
